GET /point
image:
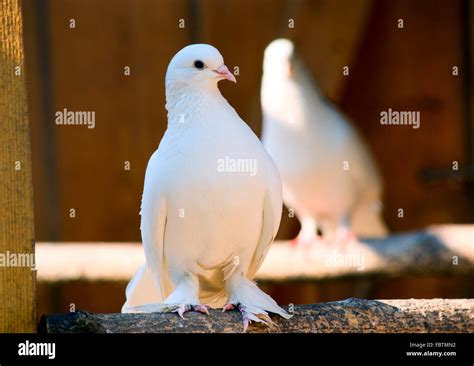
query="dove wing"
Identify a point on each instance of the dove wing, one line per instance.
(153, 226)
(153, 232)
(150, 285)
(271, 216)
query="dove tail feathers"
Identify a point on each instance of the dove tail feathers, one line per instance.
(141, 290)
(256, 302)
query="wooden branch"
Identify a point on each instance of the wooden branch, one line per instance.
(447, 249)
(443, 249)
(348, 316)
(17, 280)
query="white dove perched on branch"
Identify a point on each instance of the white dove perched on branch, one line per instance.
(211, 203)
(329, 177)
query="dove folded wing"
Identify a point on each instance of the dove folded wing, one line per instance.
(150, 284)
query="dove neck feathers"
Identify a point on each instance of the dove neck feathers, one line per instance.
(284, 98)
(191, 104)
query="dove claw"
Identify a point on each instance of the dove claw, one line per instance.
(201, 309)
(246, 325)
(181, 309)
(245, 317)
(243, 310)
(228, 307)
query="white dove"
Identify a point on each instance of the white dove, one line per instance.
(329, 177)
(211, 202)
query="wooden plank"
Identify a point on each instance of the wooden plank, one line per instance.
(327, 34)
(348, 316)
(17, 279)
(43, 141)
(468, 11)
(437, 250)
(411, 69)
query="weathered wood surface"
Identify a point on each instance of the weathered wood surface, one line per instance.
(447, 249)
(436, 250)
(348, 316)
(17, 282)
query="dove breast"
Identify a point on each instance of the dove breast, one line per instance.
(202, 192)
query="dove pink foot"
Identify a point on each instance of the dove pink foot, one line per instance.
(243, 311)
(308, 234)
(343, 238)
(306, 241)
(184, 308)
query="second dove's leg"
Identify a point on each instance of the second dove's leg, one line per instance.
(308, 233)
(344, 235)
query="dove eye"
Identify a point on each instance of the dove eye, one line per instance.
(199, 64)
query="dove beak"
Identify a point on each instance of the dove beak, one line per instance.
(224, 73)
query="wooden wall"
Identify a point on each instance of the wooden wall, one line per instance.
(411, 69)
(82, 68)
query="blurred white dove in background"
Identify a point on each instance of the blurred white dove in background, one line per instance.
(329, 177)
(211, 203)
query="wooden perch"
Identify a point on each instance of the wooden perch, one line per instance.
(447, 249)
(17, 282)
(442, 249)
(348, 316)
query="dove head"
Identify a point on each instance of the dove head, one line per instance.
(278, 59)
(283, 77)
(197, 66)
